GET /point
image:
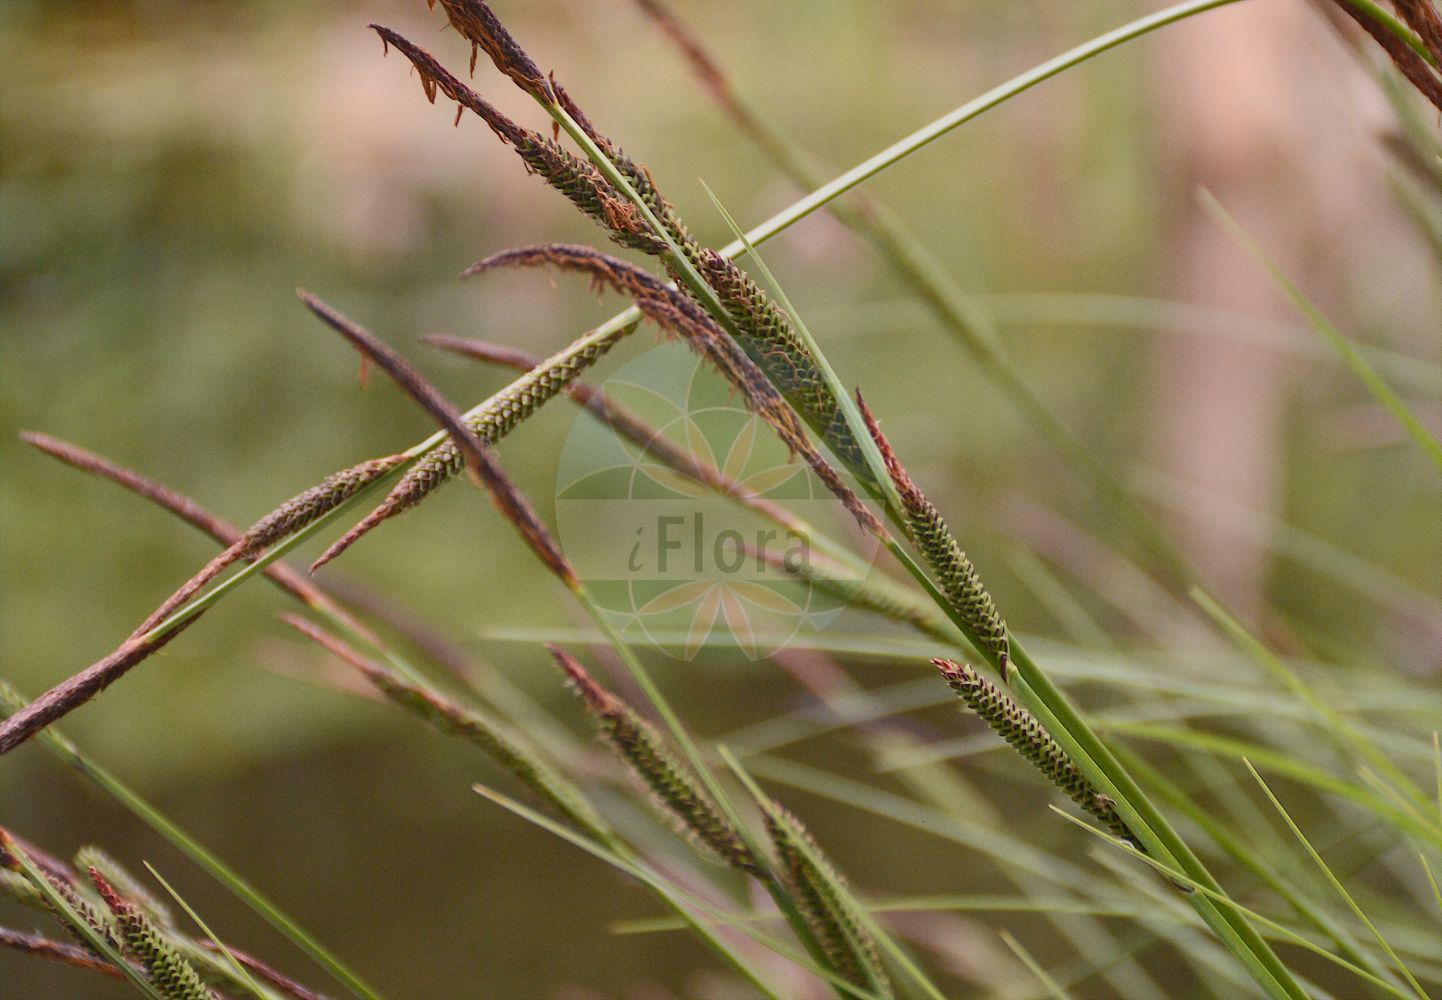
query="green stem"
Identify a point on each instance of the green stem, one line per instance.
(971, 109)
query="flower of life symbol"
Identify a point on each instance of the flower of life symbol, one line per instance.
(683, 565)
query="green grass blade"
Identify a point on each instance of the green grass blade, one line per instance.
(1437, 763)
(1347, 738)
(1364, 372)
(1053, 988)
(680, 899)
(239, 970)
(1289, 765)
(1111, 313)
(1337, 885)
(1431, 880)
(1282, 931)
(1142, 817)
(993, 98)
(1247, 854)
(921, 904)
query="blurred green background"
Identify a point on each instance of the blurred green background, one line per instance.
(170, 171)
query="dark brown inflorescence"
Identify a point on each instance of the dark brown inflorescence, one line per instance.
(483, 465)
(577, 179)
(306, 507)
(1422, 17)
(675, 312)
(652, 442)
(478, 24)
(490, 423)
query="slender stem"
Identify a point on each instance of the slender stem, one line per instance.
(971, 109)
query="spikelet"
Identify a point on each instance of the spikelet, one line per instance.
(493, 421)
(484, 469)
(92, 858)
(192, 513)
(1028, 737)
(957, 577)
(166, 968)
(1408, 62)
(478, 24)
(77, 909)
(818, 891)
(260, 970)
(765, 330)
(306, 507)
(279, 524)
(83, 909)
(1424, 18)
(575, 178)
(492, 737)
(762, 328)
(675, 789)
(652, 442)
(55, 951)
(673, 311)
(88, 461)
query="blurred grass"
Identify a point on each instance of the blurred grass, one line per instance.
(172, 171)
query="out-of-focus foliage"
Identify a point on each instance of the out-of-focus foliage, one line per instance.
(170, 171)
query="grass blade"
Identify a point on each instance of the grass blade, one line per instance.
(1283, 932)
(1364, 372)
(682, 900)
(1337, 884)
(1053, 988)
(240, 971)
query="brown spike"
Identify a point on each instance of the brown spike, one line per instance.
(56, 951)
(75, 691)
(483, 466)
(478, 24)
(673, 311)
(192, 513)
(433, 75)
